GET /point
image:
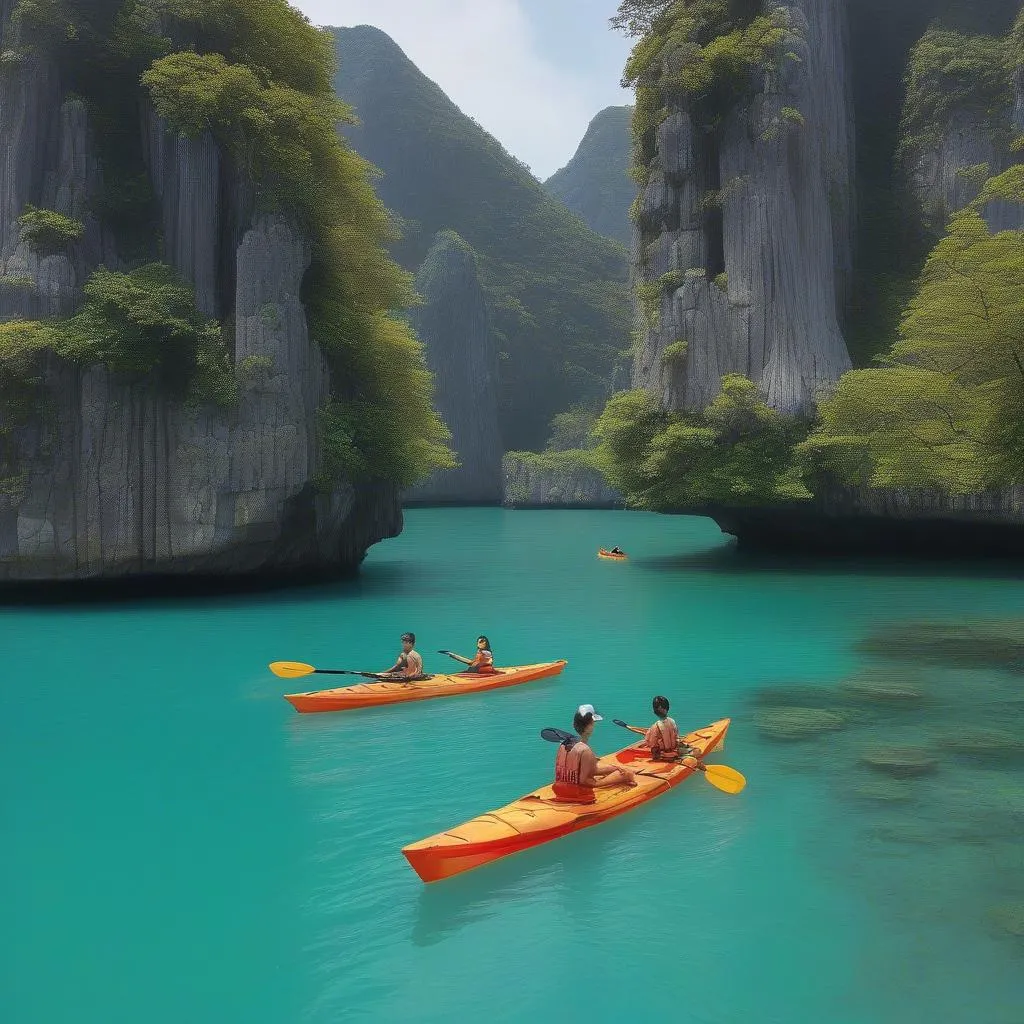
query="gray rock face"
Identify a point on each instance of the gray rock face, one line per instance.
(529, 485)
(938, 179)
(460, 349)
(848, 520)
(757, 291)
(116, 479)
(183, 170)
(123, 481)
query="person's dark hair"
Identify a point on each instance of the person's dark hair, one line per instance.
(580, 722)
(411, 637)
(487, 643)
(660, 705)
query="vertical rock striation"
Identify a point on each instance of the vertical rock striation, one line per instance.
(113, 478)
(938, 176)
(461, 352)
(747, 231)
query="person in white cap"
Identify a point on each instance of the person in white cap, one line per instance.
(577, 772)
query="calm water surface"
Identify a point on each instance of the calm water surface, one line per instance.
(179, 845)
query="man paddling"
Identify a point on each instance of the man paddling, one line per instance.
(409, 665)
(577, 772)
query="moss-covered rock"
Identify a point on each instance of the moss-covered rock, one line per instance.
(900, 762)
(791, 724)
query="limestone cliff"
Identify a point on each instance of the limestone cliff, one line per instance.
(454, 326)
(743, 234)
(556, 480)
(116, 478)
(941, 176)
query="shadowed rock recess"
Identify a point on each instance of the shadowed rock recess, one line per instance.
(454, 326)
(117, 479)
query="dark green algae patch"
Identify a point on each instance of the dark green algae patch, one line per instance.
(921, 751)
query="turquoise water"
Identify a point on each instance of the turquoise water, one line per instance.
(179, 845)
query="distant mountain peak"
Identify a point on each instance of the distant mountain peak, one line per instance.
(595, 183)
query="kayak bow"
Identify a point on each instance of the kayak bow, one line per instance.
(540, 816)
(368, 695)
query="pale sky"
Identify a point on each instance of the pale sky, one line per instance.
(532, 72)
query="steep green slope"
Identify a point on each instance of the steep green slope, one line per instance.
(557, 290)
(595, 184)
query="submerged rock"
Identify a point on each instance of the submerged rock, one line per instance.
(982, 744)
(984, 644)
(787, 695)
(890, 688)
(883, 791)
(791, 723)
(901, 762)
(1009, 918)
(913, 833)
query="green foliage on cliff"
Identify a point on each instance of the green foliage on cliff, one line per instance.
(950, 72)
(557, 292)
(945, 410)
(259, 78)
(23, 346)
(707, 52)
(559, 461)
(737, 452)
(143, 325)
(47, 231)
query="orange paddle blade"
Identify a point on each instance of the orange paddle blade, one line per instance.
(722, 777)
(291, 669)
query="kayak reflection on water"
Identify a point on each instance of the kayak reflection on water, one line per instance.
(577, 772)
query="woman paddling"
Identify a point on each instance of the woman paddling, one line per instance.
(482, 662)
(577, 772)
(663, 735)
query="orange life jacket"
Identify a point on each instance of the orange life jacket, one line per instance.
(482, 664)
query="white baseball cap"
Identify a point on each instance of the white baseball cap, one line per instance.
(588, 709)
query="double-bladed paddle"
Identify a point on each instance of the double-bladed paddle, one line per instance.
(294, 669)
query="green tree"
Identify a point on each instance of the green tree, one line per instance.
(945, 408)
(737, 452)
(572, 429)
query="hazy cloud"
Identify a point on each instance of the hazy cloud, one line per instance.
(489, 56)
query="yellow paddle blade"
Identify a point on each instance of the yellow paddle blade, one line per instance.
(290, 669)
(722, 777)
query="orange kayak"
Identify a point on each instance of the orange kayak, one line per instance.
(602, 553)
(370, 694)
(540, 816)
